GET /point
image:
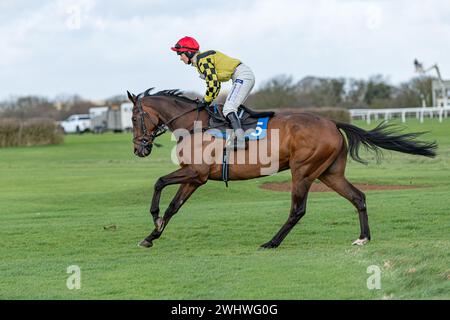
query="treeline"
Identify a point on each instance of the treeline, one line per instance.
(376, 92)
(278, 92)
(32, 107)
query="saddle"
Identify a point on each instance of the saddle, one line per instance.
(250, 119)
(253, 123)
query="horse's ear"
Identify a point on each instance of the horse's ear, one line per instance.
(131, 96)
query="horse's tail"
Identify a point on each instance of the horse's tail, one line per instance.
(386, 136)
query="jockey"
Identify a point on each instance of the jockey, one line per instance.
(216, 67)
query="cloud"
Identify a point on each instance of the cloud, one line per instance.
(101, 48)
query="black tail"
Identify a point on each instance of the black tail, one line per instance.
(386, 136)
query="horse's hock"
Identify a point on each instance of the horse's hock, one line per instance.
(320, 187)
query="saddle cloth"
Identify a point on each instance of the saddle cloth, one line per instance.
(253, 123)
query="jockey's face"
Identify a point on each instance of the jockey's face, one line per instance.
(184, 58)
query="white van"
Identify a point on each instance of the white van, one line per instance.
(76, 123)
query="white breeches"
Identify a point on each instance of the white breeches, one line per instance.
(243, 82)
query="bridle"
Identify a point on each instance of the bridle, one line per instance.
(146, 138)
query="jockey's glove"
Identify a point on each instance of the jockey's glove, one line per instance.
(203, 104)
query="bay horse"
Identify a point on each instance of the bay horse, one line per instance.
(311, 146)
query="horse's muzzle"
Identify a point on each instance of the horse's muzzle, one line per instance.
(143, 150)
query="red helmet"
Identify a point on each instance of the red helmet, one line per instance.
(186, 44)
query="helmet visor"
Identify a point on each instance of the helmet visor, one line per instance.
(181, 48)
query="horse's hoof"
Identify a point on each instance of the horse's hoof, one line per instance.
(145, 244)
(268, 245)
(360, 242)
(159, 224)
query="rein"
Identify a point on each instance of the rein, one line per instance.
(182, 114)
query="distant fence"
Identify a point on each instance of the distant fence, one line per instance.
(419, 113)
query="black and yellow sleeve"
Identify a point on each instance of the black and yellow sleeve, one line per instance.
(208, 69)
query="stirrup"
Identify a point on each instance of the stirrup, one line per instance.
(229, 142)
(235, 123)
(233, 143)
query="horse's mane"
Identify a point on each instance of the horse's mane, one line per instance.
(176, 93)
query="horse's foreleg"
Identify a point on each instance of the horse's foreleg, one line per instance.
(182, 175)
(184, 192)
(298, 209)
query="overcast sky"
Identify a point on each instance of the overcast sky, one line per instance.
(99, 48)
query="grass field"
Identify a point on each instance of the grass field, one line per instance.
(56, 200)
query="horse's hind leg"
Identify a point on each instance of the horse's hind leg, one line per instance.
(303, 175)
(334, 178)
(300, 190)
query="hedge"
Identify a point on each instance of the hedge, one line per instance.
(33, 132)
(337, 114)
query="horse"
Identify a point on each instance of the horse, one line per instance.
(311, 146)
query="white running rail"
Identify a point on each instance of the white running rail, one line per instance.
(403, 113)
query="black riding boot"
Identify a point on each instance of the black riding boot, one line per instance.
(235, 122)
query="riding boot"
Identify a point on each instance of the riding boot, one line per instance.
(235, 122)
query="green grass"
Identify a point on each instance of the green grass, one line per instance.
(55, 201)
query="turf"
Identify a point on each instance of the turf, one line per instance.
(55, 202)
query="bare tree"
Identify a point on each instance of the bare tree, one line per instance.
(277, 92)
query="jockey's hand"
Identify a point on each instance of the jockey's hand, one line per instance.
(203, 104)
